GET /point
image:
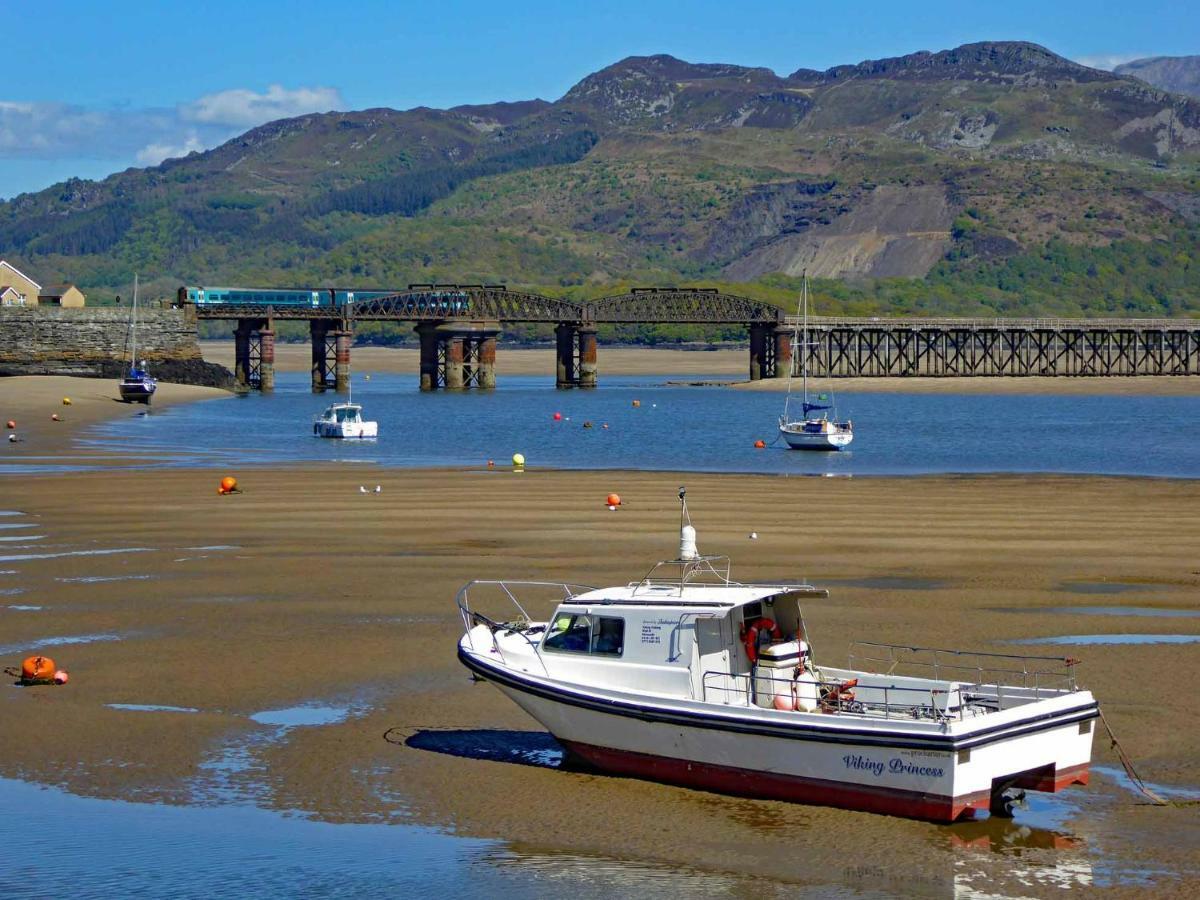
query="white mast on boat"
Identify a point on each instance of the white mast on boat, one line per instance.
(133, 327)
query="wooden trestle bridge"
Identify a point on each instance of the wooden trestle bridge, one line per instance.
(458, 326)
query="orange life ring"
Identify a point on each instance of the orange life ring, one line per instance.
(750, 641)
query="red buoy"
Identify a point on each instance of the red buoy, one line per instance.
(759, 444)
(558, 417)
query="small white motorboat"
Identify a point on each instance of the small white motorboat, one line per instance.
(689, 677)
(344, 420)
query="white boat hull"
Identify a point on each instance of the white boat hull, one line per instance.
(806, 440)
(346, 430)
(913, 769)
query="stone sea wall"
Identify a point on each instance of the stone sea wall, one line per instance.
(94, 342)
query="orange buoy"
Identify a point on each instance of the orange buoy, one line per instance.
(613, 500)
(637, 402)
(759, 444)
(37, 670)
(228, 485)
(11, 423)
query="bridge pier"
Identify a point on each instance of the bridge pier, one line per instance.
(453, 377)
(783, 352)
(760, 351)
(575, 355)
(323, 375)
(565, 375)
(342, 339)
(587, 356)
(487, 363)
(266, 365)
(458, 355)
(247, 353)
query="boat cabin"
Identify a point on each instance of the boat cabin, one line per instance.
(685, 641)
(342, 412)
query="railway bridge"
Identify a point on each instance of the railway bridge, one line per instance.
(458, 324)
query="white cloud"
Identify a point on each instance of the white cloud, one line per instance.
(244, 108)
(1109, 61)
(52, 131)
(153, 154)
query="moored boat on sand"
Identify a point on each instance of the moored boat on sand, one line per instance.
(689, 677)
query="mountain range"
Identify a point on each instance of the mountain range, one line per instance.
(996, 177)
(1180, 74)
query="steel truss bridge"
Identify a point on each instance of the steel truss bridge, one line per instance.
(458, 325)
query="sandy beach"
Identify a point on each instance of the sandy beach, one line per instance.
(152, 590)
(725, 365)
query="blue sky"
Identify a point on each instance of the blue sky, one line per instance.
(110, 85)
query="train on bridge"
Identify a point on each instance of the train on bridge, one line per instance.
(454, 299)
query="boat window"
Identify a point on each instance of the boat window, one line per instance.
(580, 633)
(608, 636)
(570, 632)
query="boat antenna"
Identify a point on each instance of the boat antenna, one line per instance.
(687, 534)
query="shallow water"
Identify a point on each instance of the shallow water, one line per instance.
(1154, 612)
(297, 716)
(888, 583)
(1084, 639)
(151, 707)
(1111, 587)
(36, 644)
(98, 579)
(674, 428)
(109, 552)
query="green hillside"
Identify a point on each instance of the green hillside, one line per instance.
(993, 178)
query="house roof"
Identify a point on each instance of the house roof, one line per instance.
(55, 290)
(4, 264)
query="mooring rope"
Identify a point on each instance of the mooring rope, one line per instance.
(1127, 764)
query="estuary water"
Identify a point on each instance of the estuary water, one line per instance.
(643, 422)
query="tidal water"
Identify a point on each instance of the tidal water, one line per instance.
(673, 428)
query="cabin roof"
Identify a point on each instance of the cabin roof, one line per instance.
(715, 597)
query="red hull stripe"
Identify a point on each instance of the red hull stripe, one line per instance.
(773, 786)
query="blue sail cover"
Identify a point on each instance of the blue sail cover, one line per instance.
(810, 407)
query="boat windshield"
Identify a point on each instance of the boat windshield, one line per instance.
(347, 414)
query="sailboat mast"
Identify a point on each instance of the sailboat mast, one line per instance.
(804, 345)
(133, 326)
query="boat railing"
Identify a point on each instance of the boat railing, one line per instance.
(556, 592)
(1037, 674)
(679, 573)
(934, 703)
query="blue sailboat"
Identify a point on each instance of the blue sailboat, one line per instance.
(137, 386)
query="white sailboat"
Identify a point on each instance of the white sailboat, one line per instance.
(816, 429)
(137, 386)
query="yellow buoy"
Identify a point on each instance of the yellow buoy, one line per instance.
(518, 459)
(66, 401)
